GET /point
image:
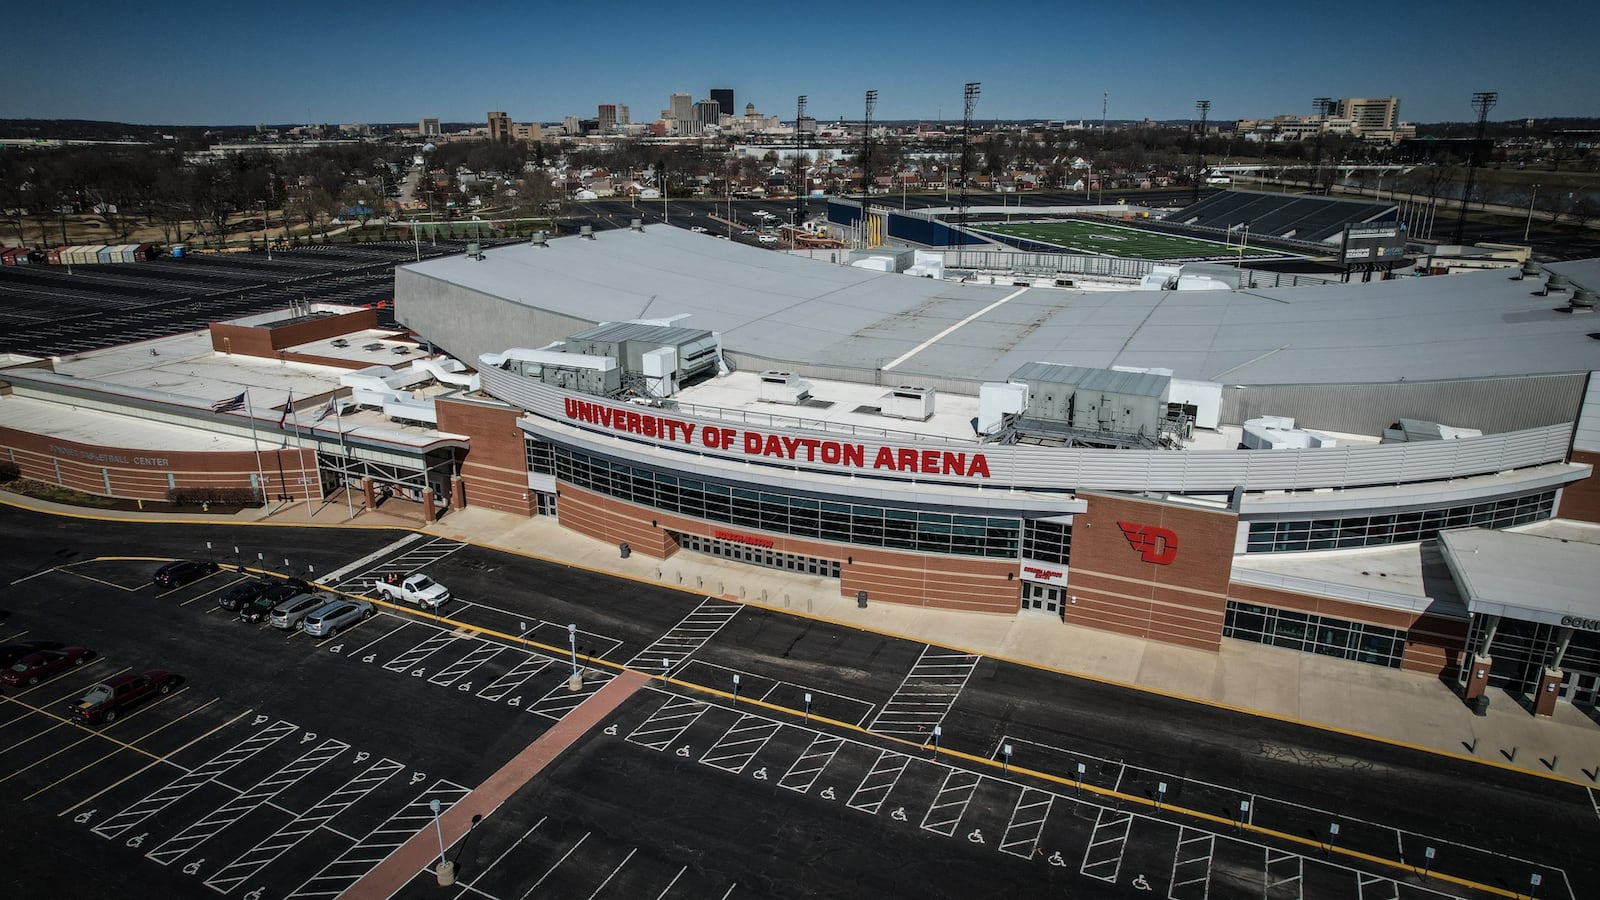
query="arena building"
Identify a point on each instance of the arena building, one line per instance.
(1273, 465)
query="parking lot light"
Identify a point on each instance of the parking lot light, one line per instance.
(445, 871)
(574, 683)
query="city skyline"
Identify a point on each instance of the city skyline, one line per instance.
(316, 64)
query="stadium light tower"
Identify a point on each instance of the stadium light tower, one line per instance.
(1323, 107)
(802, 184)
(970, 94)
(866, 167)
(1482, 101)
(1204, 106)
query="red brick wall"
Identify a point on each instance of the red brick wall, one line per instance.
(495, 470)
(142, 474)
(1581, 499)
(946, 582)
(254, 340)
(1433, 643)
(1179, 603)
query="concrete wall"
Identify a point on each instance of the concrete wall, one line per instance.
(465, 323)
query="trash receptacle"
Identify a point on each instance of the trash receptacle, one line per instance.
(861, 599)
(625, 550)
(1480, 706)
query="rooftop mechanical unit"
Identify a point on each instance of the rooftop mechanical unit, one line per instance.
(1094, 406)
(630, 342)
(784, 387)
(907, 402)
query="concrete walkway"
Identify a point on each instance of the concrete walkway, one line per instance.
(1387, 704)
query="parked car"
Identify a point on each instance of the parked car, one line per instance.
(416, 589)
(244, 592)
(181, 572)
(262, 606)
(698, 229)
(291, 612)
(10, 653)
(42, 664)
(105, 700)
(768, 239)
(327, 621)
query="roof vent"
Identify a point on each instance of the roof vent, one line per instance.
(1531, 269)
(539, 239)
(636, 224)
(1582, 300)
(1556, 282)
(474, 250)
(586, 231)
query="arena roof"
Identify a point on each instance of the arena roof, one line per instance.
(790, 307)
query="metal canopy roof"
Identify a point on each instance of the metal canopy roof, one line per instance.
(814, 310)
(1523, 576)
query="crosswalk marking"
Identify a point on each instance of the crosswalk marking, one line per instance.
(926, 694)
(687, 636)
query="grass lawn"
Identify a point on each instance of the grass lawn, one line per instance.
(1107, 239)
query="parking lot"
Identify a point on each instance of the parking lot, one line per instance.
(779, 756)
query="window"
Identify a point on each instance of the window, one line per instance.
(1047, 541)
(1325, 635)
(1397, 528)
(925, 531)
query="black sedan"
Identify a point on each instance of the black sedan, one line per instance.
(240, 594)
(181, 572)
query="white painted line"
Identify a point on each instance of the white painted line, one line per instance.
(337, 574)
(154, 762)
(945, 333)
(556, 866)
(672, 882)
(613, 873)
(468, 885)
(34, 575)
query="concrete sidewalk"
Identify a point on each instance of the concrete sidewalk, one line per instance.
(1383, 703)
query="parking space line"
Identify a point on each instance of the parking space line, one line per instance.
(291, 834)
(926, 693)
(154, 760)
(514, 678)
(559, 700)
(191, 780)
(950, 803)
(1282, 868)
(63, 678)
(344, 871)
(1022, 833)
(215, 591)
(879, 781)
(687, 636)
(404, 623)
(803, 773)
(75, 692)
(1102, 858)
(233, 810)
(409, 658)
(740, 743)
(613, 873)
(471, 885)
(115, 751)
(466, 665)
(1191, 865)
(671, 883)
(668, 723)
(557, 865)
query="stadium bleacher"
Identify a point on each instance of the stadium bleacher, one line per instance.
(1287, 216)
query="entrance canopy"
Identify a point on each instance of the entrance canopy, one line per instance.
(1523, 576)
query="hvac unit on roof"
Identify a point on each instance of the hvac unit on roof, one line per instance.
(586, 231)
(539, 239)
(907, 402)
(783, 387)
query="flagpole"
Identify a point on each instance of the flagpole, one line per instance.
(295, 416)
(261, 477)
(344, 449)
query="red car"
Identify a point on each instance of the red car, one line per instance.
(36, 667)
(109, 697)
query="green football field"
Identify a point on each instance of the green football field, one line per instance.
(1078, 236)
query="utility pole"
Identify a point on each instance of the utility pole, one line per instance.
(1482, 101)
(1205, 107)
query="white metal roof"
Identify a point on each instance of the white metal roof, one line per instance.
(105, 429)
(815, 310)
(1523, 576)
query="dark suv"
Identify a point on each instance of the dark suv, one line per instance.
(242, 593)
(183, 571)
(262, 605)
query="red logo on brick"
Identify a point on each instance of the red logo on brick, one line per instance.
(1155, 544)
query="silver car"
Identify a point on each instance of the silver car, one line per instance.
(327, 620)
(289, 614)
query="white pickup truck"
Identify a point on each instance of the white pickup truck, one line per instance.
(418, 589)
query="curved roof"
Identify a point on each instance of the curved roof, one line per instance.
(816, 310)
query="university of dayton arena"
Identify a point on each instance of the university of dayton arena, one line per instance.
(1395, 473)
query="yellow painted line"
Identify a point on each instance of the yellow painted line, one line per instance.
(91, 733)
(141, 737)
(153, 760)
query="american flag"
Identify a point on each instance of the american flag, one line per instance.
(326, 410)
(229, 405)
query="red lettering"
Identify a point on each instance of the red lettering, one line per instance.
(954, 463)
(907, 459)
(930, 461)
(712, 438)
(885, 459)
(980, 466)
(830, 452)
(854, 455)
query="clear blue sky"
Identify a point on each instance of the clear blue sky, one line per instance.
(292, 61)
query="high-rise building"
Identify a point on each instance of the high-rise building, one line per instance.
(607, 117)
(707, 112)
(499, 126)
(622, 114)
(428, 127)
(680, 109)
(724, 98)
(1370, 113)
(572, 125)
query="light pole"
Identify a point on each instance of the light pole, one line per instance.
(445, 871)
(1526, 229)
(1242, 242)
(574, 683)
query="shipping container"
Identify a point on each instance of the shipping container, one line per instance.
(104, 254)
(143, 253)
(177, 251)
(8, 258)
(53, 256)
(125, 253)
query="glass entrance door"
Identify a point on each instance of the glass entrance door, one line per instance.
(1042, 597)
